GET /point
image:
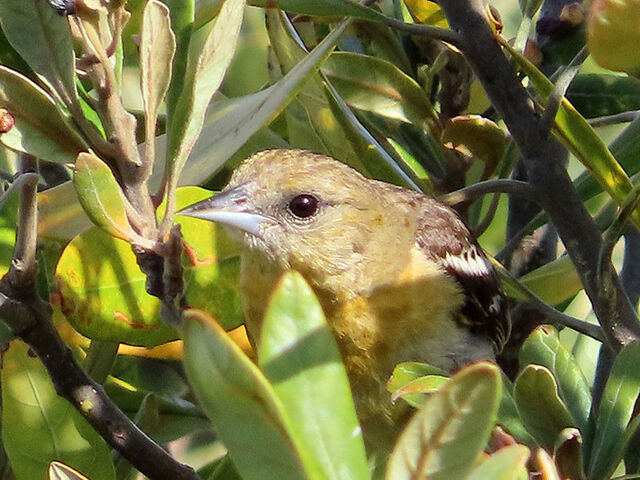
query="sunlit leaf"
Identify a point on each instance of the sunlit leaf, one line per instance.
(554, 282)
(240, 402)
(202, 82)
(39, 129)
(157, 48)
(230, 123)
(444, 438)
(542, 410)
(426, 12)
(60, 471)
(617, 418)
(38, 426)
(613, 35)
(43, 40)
(481, 136)
(101, 196)
(299, 355)
(508, 463)
(102, 290)
(543, 347)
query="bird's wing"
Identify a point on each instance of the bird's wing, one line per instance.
(444, 239)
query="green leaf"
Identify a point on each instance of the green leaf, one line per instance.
(38, 426)
(60, 471)
(232, 122)
(201, 83)
(484, 139)
(543, 412)
(240, 402)
(598, 95)
(555, 282)
(444, 438)
(324, 115)
(613, 35)
(543, 347)
(101, 196)
(39, 129)
(299, 355)
(407, 372)
(157, 48)
(617, 420)
(508, 463)
(43, 40)
(375, 85)
(580, 138)
(102, 290)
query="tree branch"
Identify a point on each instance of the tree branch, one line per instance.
(542, 158)
(29, 318)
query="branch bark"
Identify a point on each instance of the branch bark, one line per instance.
(541, 156)
(29, 318)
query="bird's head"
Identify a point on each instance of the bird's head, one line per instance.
(304, 211)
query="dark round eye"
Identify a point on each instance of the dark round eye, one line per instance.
(303, 205)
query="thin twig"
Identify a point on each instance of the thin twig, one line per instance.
(614, 119)
(555, 316)
(501, 185)
(430, 31)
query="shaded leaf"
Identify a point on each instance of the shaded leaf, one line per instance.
(299, 355)
(617, 419)
(240, 402)
(508, 463)
(598, 95)
(39, 129)
(543, 412)
(567, 454)
(375, 85)
(101, 196)
(60, 215)
(326, 116)
(43, 40)
(543, 347)
(444, 438)
(102, 290)
(202, 82)
(38, 426)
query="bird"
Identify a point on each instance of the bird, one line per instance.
(398, 274)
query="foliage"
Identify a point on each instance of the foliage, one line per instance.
(123, 103)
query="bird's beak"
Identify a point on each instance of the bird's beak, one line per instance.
(231, 207)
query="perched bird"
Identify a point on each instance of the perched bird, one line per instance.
(398, 274)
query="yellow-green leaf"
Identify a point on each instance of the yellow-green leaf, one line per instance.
(101, 196)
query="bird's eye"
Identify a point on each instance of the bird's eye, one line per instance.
(303, 205)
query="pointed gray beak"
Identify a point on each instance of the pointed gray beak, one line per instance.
(230, 207)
